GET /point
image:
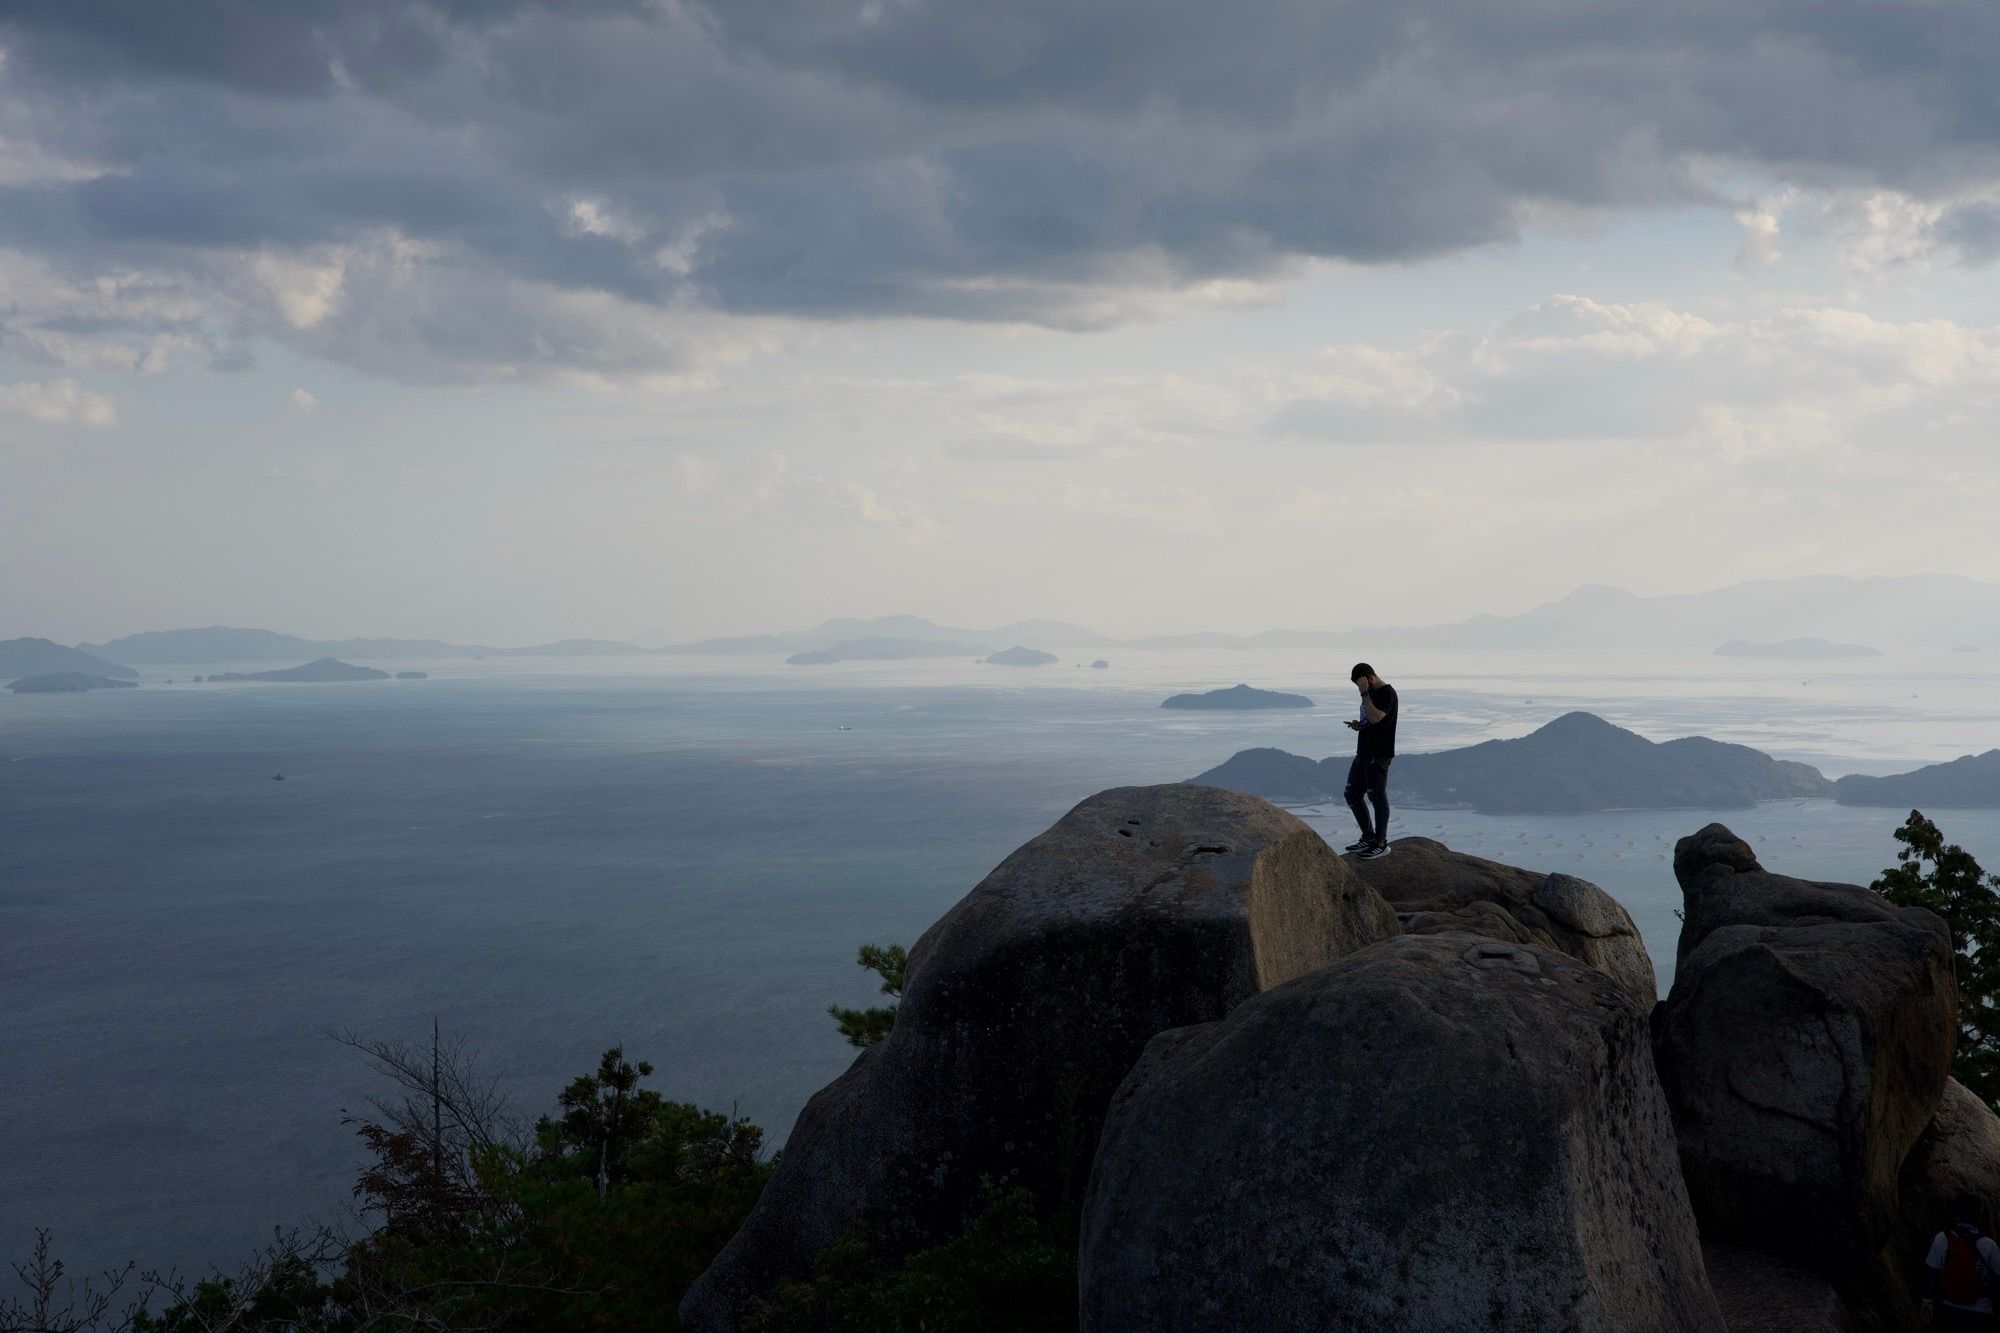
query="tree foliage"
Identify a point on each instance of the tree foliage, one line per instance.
(599, 1216)
(1944, 878)
(1011, 1271)
(865, 1027)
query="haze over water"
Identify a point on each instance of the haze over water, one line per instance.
(681, 855)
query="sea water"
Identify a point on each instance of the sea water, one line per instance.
(679, 856)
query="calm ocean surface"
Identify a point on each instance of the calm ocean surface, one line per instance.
(679, 855)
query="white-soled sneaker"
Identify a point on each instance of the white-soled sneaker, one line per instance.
(1375, 852)
(1360, 846)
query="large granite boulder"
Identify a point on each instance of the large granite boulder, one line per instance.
(1434, 888)
(1804, 1047)
(1958, 1153)
(1440, 1132)
(1143, 909)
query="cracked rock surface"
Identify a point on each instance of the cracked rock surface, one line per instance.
(1439, 1132)
(1434, 888)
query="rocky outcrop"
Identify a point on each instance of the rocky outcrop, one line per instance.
(1439, 1132)
(1434, 889)
(1143, 909)
(1804, 1048)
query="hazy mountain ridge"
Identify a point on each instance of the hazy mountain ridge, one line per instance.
(223, 643)
(829, 634)
(42, 657)
(1796, 650)
(1916, 611)
(877, 649)
(1924, 610)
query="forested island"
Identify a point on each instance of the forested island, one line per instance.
(68, 682)
(1237, 697)
(325, 669)
(1018, 656)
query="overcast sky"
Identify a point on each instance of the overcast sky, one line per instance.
(505, 321)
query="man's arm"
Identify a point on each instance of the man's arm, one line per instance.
(1368, 706)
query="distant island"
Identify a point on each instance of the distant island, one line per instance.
(1577, 763)
(69, 682)
(413, 675)
(325, 669)
(1237, 697)
(1971, 780)
(883, 649)
(1797, 650)
(1018, 656)
(42, 657)
(1100, 665)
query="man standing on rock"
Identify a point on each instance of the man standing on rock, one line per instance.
(1368, 775)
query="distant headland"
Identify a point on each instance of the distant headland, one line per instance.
(1970, 781)
(1576, 763)
(1580, 763)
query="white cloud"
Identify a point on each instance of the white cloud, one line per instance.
(303, 400)
(1762, 225)
(911, 521)
(305, 289)
(58, 403)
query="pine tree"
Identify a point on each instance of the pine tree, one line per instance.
(865, 1027)
(1943, 878)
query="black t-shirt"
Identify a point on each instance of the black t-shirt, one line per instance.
(1377, 740)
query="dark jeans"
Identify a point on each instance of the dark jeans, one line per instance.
(1945, 1319)
(1369, 778)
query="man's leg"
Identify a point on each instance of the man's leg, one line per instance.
(1357, 787)
(1378, 796)
(1950, 1320)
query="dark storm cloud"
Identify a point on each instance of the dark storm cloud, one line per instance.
(978, 161)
